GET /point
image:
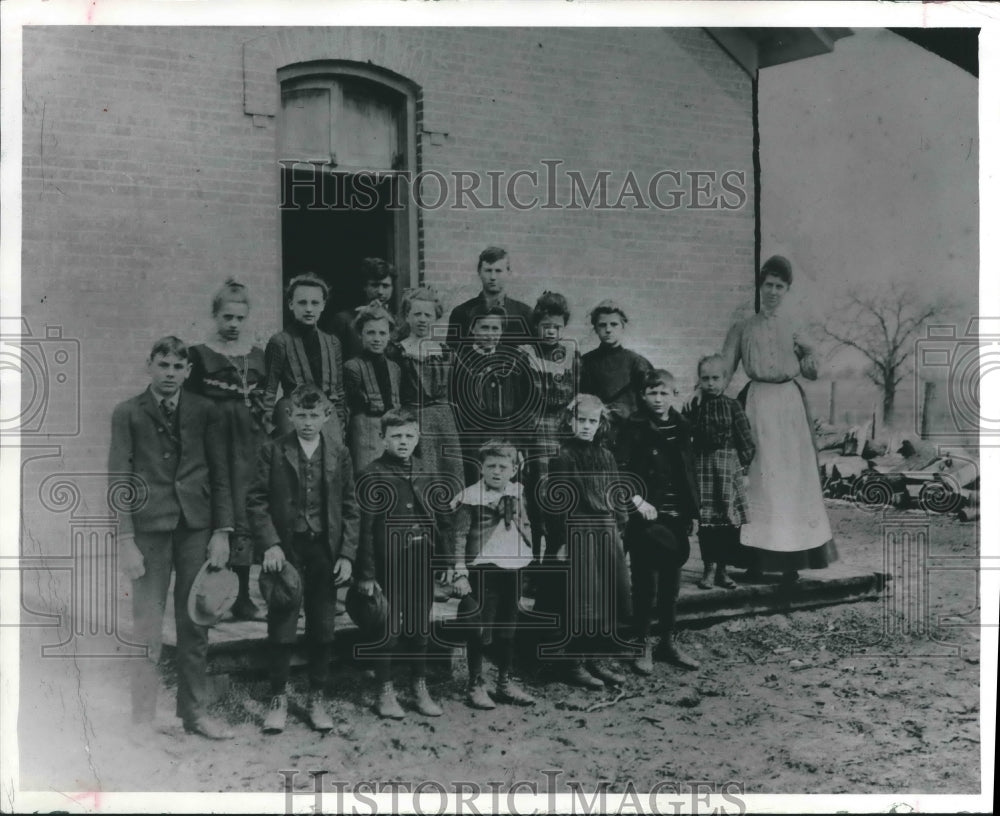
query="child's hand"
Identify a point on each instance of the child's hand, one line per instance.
(133, 565)
(646, 510)
(342, 571)
(218, 550)
(692, 400)
(366, 587)
(274, 559)
(461, 587)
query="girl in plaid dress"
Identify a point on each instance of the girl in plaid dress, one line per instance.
(724, 447)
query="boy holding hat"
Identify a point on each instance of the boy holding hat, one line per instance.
(304, 519)
(401, 543)
(170, 447)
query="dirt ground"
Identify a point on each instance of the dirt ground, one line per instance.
(854, 698)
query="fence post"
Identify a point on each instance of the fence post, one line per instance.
(833, 402)
(929, 388)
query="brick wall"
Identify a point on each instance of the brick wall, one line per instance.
(146, 182)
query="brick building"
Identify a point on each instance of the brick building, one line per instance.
(153, 167)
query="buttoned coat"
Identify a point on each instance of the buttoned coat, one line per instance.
(188, 478)
(397, 498)
(273, 499)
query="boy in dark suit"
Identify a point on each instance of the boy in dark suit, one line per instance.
(172, 446)
(302, 509)
(396, 550)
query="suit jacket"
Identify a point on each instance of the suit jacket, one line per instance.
(273, 498)
(397, 496)
(517, 324)
(191, 479)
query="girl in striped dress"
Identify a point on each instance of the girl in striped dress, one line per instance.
(426, 364)
(371, 385)
(724, 447)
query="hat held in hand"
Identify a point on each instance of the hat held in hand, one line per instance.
(212, 595)
(369, 612)
(281, 590)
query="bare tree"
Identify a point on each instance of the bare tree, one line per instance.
(883, 323)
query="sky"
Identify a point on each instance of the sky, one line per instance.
(869, 170)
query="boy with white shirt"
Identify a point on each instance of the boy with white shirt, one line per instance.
(492, 544)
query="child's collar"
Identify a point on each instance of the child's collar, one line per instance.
(479, 494)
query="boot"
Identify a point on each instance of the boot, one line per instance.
(277, 714)
(606, 671)
(388, 706)
(425, 704)
(318, 715)
(477, 696)
(510, 692)
(579, 676)
(644, 663)
(668, 652)
(244, 608)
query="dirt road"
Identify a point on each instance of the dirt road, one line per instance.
(843, 699)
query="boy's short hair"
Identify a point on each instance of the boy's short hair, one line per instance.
(308, 396)
(606, 307)
(367, 314)
(395, 417)
(656, 377)
(550, 304)
(491, 254)
(376, 269)
(169, 345)
(713, 358)
(306, 279)
(232, 291)
(493, 311)
(499, 449)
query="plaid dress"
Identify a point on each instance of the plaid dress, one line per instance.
(723, 445)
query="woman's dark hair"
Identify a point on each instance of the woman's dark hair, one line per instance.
(777, 266)
(550, 304)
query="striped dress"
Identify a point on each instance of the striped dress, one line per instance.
(371, 385)
(426, 367)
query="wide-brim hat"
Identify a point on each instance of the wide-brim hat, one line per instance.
(369, 612)
(212, 594)
(283, 589)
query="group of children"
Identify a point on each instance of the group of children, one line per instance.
(472, 456)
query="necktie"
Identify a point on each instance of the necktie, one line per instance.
(168, 412)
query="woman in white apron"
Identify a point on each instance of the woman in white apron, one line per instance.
(788, 528)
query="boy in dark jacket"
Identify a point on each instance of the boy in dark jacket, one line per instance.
(302, 510)
(655, 450)
(492, 544)
(396, 551)
(170, 444)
